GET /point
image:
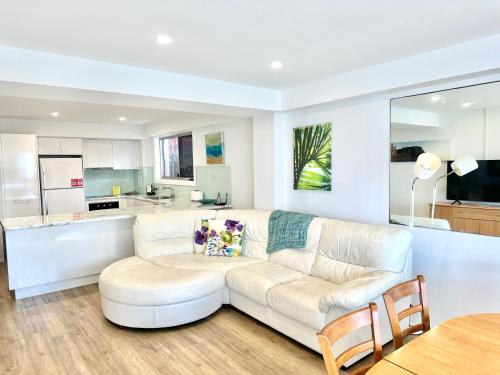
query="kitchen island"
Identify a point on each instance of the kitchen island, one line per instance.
(47, 253)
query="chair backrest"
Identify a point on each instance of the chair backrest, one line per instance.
(341, 327)
(396, 293)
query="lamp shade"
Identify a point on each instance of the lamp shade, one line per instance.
(463, 165)
(426, 165)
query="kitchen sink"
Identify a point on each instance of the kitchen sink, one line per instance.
(161, 197)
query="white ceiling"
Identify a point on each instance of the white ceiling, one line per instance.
(481, 96)
(237, 40)
(35, 109)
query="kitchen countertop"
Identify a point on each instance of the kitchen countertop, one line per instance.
(40, 221)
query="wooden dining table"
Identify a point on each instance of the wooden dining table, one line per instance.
(464, 345)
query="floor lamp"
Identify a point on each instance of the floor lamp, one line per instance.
(426, 165)
(463, 165)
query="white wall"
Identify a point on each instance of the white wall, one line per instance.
(461, 269)
(360, 163)
(238, 150)
(265, 157)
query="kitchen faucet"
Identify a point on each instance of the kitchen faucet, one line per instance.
(172, 192)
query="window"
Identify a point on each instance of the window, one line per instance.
(176, 157)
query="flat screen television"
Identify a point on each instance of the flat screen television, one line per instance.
(482, 185)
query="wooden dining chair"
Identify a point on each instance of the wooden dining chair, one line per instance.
(396, 293)
(342, 326)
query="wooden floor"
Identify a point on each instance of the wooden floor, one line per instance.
(65, 333)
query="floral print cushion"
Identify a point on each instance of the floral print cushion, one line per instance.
(222, 237)
(201, 236)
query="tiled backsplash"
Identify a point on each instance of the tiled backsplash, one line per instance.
(211, 180)
(100, 181)
(214, 179)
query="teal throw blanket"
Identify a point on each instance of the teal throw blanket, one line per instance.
(288, 230)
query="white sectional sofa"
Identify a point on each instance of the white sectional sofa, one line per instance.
(344, 266)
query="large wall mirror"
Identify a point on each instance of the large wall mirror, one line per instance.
(446, 145)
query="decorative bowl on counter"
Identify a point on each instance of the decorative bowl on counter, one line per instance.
(207, 201)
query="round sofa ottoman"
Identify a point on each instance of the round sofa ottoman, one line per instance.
(138, 294)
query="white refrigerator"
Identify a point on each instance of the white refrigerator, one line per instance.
(61, 179)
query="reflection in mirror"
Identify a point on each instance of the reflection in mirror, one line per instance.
(461, 127)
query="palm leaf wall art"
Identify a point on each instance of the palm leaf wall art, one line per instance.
(312, 157)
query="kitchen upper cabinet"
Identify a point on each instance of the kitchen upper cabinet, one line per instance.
(97, 154)
(49, 146)
(71, 146)
(125, 154)
(59, 146)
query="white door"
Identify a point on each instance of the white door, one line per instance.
(60, 173)
(21, 189)
(63, 201)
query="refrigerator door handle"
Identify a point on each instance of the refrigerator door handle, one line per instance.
(45, 202)
(44, 178)
(22, 201)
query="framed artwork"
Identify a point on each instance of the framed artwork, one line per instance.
(214, 148)
(312, 157)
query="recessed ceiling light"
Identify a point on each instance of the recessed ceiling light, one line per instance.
(54, 114)
(163, 39)
(467, 104)
(122, 119)
(435, 98)
(276, 64)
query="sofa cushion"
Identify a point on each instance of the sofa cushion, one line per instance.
(301, 259)
(133, 281)
(348, 251)
(303, 300)
(202, 262)
(356, 293)
(255, 280)
(167, 233)
(225, 237)
(256, 230)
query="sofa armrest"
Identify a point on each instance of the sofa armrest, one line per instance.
(356, 293)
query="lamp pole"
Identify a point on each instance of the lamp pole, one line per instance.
(434, 192)
(412, 210)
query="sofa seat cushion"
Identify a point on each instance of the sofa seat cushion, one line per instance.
(303, 300)
(315, 302)
(202, 262)
(133, 281)
(255, 280)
